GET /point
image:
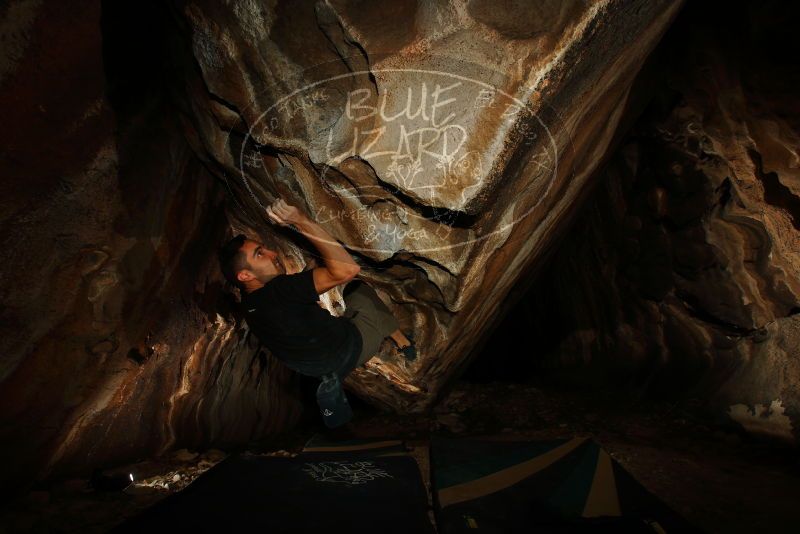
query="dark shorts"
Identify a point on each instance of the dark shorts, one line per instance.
(370, 315)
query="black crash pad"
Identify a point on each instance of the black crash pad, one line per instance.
(306, 493)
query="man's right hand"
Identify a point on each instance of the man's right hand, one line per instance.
(282, 213)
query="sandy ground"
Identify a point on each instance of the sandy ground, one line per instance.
(719, 480)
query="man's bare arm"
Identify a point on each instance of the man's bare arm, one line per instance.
(337, 260)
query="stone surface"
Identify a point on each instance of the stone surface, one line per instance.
(740, 486)
(443, 143)
(117, 341)
(681, 278)
(674, 250)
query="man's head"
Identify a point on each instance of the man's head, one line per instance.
(248, 264)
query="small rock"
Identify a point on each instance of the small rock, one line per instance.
(184, 455)
(452, 422)
(176, 477)
(215, 455)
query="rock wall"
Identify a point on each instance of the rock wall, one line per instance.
(117, 339)
(449, 146)
(444, 143)
(681, 280)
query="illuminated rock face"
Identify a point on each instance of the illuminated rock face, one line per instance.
(443, 143)
(117, 341)
(682, 277)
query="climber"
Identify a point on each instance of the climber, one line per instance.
(283, 309)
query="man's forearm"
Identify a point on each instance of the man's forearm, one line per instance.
(337, 260)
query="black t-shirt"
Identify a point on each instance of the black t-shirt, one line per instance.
(286, 318)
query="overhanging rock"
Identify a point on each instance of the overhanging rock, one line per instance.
(445, 144)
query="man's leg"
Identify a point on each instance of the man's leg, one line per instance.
(373, 319)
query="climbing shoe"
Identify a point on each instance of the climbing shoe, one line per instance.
(409, 351)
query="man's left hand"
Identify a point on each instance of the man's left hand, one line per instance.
(285, 214)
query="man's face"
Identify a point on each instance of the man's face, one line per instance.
(264, 263)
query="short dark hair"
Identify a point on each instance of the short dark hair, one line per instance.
(232, 259)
